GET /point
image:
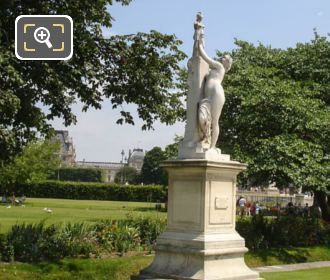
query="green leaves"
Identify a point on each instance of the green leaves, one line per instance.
(139, 68)
(277, 115)
(143, 69)
(37, 162)
(151, 172)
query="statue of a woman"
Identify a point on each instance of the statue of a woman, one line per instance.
(212, 99)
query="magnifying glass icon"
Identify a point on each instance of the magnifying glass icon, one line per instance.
(41, 35)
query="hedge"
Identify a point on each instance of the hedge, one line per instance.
(262, 232)
(93, 191)
(79, 174)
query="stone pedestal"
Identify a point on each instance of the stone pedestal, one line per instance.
(200, 241)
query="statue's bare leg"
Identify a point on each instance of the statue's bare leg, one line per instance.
(215, 133)
(218, 100)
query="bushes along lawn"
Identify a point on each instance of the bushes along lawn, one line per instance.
(93, 191)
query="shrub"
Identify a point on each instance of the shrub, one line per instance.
(31, 243)
(95, 191)
(260, 232)
(149, 228)
(135, 232)
(253, 230)
(121, 238)
(36, 242)
(6, 250)
(79, 240)
(79, 174)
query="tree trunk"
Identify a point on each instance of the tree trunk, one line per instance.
(321, 199)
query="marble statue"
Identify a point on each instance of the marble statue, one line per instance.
(200, 240)
(204, 101)
(212, 98)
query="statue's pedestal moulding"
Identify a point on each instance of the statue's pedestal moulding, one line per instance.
(200, 241)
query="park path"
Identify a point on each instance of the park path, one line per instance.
(291, 267)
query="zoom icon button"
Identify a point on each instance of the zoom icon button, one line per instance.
(43, 37)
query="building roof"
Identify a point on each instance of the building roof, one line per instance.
(137, 155)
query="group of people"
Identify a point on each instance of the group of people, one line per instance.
(247, 208)
(299, 210)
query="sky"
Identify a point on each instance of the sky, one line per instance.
(277, 23)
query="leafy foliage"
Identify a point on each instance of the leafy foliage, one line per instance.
(92, 191)
(35, 243)
(31, 243)
(277, 115)
(37, 161)
(172, 150)
(77, 174)
(139, 68)
(151, 172)
(127, 174)
(284, 231)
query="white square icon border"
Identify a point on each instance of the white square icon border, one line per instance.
(45, 58)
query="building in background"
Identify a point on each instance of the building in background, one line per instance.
(110, 168)
(68, 158)
(135, 159)
(67, 151)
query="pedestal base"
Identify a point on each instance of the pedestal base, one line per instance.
(200, 242)
(195, 151)
(201, 257)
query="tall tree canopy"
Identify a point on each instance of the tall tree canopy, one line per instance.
(139, 68)
(277, 114)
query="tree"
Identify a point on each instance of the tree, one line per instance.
(172, 150)
(126, 174)
(277, 115)
(36, 163)
(151, 172)
(139, 68)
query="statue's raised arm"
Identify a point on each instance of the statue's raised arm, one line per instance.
(211, 62)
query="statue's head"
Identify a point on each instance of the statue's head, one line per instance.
(226, 61)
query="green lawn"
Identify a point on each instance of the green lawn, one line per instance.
(308, 274)
(66, 210)
(89, 269)
(121, 268)
(287, 255)
(117, 269)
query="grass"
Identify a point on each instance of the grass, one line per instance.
(308, 274)
(117, 269)
(287, 256)
(121, 268)
(66, 210)
(82, 269)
